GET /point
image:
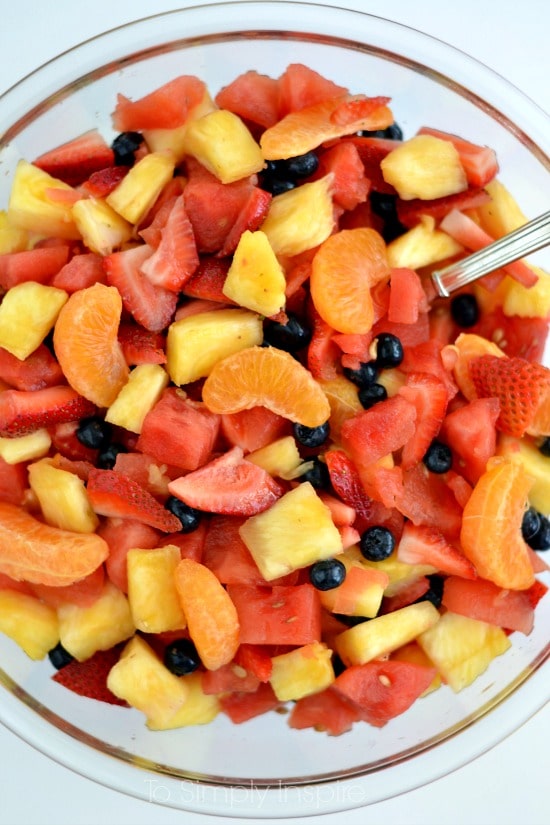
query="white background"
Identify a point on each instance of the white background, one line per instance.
(505, 786)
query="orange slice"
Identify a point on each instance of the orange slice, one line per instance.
(86, 344)
(344, 269)
(266, 377)
(491, 526)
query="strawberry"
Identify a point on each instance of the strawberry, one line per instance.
(409, 212)
(228, 484)
(150, 305)
(23, 412)
(89, 678)
(73, 162)
(423, 544)
(176, 258)
(522, 389)
(101, 183)
(251, 217)
(429, 396)
(140, 345)
(113, 494)
(208, 280)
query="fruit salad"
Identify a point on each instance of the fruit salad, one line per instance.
(249, 459)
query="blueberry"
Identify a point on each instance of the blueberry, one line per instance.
(541, 539)
(107, 457)
(385, 206)
(94, 432)
(544, 446)
(393, 132)
(124, 146)
(275, 185)
(281, 175)
(291, 337)
(59, 657)
(189, 517)
(377, 543)
(530, 524)
(438, 457)
(327, 574)
(465, 310)
(389, 350)
(181, 657)
(371, 395)
(434, 593)
(365, 374)
(302, 166)
(318, 475)
(311, 436)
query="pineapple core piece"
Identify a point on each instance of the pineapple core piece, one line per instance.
(424, 167)
(295, 532)
(29, 622)
(27, 313)
(255, 279)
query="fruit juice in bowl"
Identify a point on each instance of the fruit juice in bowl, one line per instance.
(238, 572)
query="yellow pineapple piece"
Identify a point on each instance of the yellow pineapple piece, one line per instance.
(302, 671)
(142, 680)
(384, 634)
(255, 279)
(400, 574)
(196, 343)
(139, 189)
(139, 395)
(25, 447)
(295, 532)
(102, 229)
(280, 458)
(62, 497)
(392, 379)
(421, 246)
(173, 140)
(152, 591)
(12, 238)
(502, 214)
(343, 400)
(32, 624)
(30, 207)
(424, 167)
(537, 466)
(462, 648)
(27, 313)
(198, 709)
(528, 303)
(105, 623)
(301, 218)
(224, 145)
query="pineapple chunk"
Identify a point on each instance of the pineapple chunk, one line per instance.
(343, 399)
(380, 636)
(527, 303)
(30, 207)
(12, 239)
(102, 229)
(139, 189)
(32, 624)
(196, 343)
(62, 497)
(27, 313)
(302, 671)
(141, 679)
(25, 447)
(421, 246)
(400, 573)
(502, 213)
(392, 379)
(152, 591)
(173, 140)
(223, 144)
(198, 709)
(280, 458)
(105, 623)
(536, 465)
(139, 395)
(301, 218)
(462, 648)
(295, 532)
(424, 167)
(255, 279)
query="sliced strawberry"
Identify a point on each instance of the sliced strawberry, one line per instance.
(229, 484)
(522, 389)
(251, 216)
(73, 162)
(479, 162)
(323, 354)
(66, 443)
(39, 264)
(23, 412)
(208, 280)
(429, 396)
(113, 494)
(89, 678)
(37, 371)
(150, 305)
(152, 232)
(140, 345)
(422, 544)
(80, 272)
(101, 183)
(176, 258)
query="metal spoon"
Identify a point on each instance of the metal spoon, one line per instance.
(528, 238)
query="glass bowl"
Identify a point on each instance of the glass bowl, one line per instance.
(263, 768)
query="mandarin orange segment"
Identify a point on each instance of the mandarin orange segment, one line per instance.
(211, 616)
(35, 552)
(300, 132)
(86, 344)
(266, 377)
(343, 270)
(468, 346)
(491, 526)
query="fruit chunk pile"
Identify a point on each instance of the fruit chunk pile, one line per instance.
(247, 456)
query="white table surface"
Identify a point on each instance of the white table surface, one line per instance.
(507, 785)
